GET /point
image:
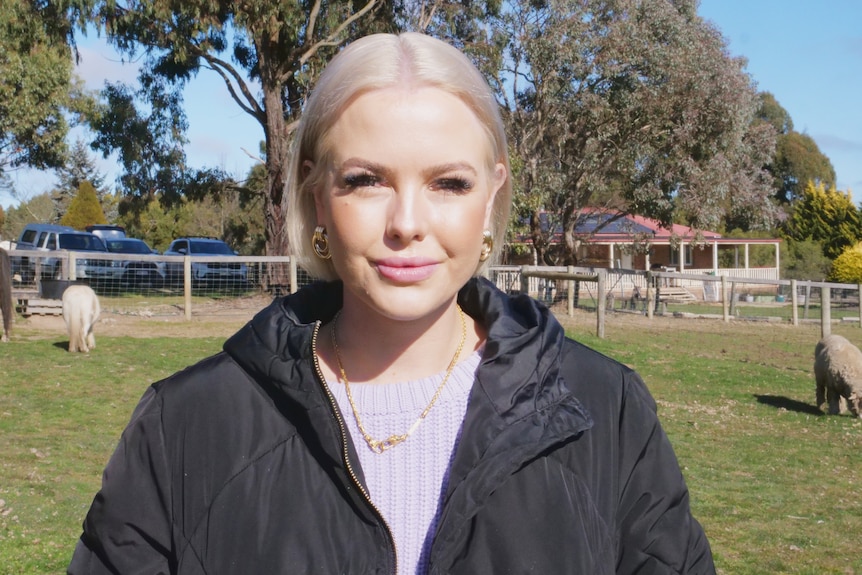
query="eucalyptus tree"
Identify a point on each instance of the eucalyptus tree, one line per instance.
(37, 88)
(267, 53)
(630, 106)
(798, 160)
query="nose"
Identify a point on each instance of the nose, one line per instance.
(408, 215)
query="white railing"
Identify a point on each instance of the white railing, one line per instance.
(753, 273)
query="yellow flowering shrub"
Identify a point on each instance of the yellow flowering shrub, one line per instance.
(847, 268)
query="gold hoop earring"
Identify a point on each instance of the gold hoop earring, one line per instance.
(487, 245)
(320, 243)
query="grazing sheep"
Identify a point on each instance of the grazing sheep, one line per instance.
(80, 311)
(5, 294)
(838, 372)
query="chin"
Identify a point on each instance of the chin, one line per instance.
(408, 304)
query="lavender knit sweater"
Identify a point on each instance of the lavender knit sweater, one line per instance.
(406, 482)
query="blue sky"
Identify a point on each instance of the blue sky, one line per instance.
(808, 54)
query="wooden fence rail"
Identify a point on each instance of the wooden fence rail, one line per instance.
(656, 279)
(571, 276)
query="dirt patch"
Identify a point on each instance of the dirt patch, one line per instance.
(219, 318)
(223, 317)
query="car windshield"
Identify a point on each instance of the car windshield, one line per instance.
(218, 248)
(128, 247)
(82, 242)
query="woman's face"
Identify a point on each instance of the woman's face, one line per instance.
(407, 195)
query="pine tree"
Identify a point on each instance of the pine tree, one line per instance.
(84, 209)
(78, 168)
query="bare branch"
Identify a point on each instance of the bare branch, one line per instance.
(312, 22)
(331, 40)
(425, 20)
(252, 156)
(230, 75)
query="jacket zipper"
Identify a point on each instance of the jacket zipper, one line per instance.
(344, 453)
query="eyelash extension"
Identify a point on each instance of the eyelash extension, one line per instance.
(360, 180)
(364, 180)
(458, 185)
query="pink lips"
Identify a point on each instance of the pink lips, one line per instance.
(406, 271)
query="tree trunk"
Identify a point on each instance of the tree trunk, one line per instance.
(277, 144)
(537, 236)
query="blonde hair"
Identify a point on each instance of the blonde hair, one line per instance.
(370, 63)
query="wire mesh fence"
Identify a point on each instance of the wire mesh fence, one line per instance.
(157, 284)
(124, 281)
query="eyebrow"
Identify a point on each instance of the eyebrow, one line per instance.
(431, 171)
(451, 167)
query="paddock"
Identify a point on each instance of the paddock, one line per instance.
(771, 477)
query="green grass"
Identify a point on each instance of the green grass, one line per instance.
(60, 418)
(777, 486)
(775, 483)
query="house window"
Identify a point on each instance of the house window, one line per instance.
(674, 256)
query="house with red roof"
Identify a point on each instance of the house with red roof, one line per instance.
(609, 240)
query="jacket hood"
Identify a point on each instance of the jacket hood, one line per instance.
(519, 400)
(519, 372)
(282, 332)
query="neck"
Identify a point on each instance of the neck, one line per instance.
(378, 349)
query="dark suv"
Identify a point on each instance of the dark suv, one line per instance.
(147, 272)
(211, 263)
(52, 238)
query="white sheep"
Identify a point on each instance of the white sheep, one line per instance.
(81, 311)
(838, 372)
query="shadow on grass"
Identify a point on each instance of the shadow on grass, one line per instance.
(778, 401)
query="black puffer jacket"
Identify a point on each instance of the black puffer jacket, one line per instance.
(240, 464)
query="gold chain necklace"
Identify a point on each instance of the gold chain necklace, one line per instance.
(378, 446)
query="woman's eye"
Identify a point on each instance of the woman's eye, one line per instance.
(360, 180)
(454, 185)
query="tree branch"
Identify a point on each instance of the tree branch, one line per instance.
(312, 22)
(252, 156)
(248, 104)
(331, 40)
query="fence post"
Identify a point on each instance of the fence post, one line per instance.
(825, 311)
(525, 282)
(187, 287)
(859, 289)
(294, 287)
(601, 280)
(570, 295)
(72, 266)
(733, 298)
(650, 294)
(794, 301)
(725, 305)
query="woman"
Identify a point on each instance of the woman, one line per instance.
(404, 416)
